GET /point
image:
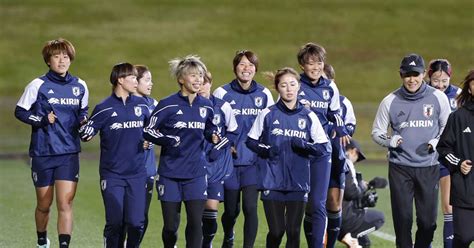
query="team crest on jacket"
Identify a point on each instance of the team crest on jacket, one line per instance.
(427, 110)
(103, 184)
(453, 103)
(258, 101)
(76, 91)
(138, 111)
(301, 123)
(326, 95)
(161, 189)
(217, 119)
(203, 112)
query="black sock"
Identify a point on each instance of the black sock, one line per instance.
(209, 227)
(42, 237)
(64, 240)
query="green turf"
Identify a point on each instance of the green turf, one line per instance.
(17, 202)
(365, 41)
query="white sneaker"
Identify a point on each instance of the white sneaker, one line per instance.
(44, 246)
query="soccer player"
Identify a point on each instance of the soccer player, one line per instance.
(180, 124)
(338, 167)
(145, 85)
(417, 115)
(321, 95)
(247, 98)
(219, 156)
(55, 105)
(120, 119)
(285, 135)
(455, 150)
(439, 75)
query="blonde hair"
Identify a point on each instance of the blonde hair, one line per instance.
(183, 66)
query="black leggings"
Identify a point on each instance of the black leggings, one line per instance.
(171, 217)
(283, 217)
(232, 210)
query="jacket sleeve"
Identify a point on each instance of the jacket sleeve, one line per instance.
(151, 131)
(382, 122)
(83, 112)
(253, 139)
(349, 118)
(446, 145)
(445, 110)
(28, 117)
(319, 144)
(97, 121)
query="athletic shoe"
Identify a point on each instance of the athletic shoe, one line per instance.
(45, 245)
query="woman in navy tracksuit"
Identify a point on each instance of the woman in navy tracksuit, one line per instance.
(220, 159)
(55, 105)
(455, 150)
(180, 124)
(120, 119)
(439, 75)
(285, 135)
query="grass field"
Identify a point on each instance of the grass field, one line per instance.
(17, 202)
(365, 41)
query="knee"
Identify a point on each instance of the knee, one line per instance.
(44, 209)
(293, 234)
(276, 233)
(112, 229)
(64, 206)
(250, 209)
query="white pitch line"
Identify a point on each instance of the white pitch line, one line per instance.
(385, 236)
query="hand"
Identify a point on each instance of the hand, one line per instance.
(215, 138)
(466, 166)
(345, 140)
(147, 145)
(430, 148)
(51, 117)
(349, 241)
(233, 151)
(86, 132)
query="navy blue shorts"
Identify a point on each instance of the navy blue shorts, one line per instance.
(124, 200)
(178, 190)
(276, 195)
(443, 171)
(337, 180)
(215, 191)
(242, 176)
(46, 170)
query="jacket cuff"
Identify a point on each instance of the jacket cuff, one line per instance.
(394, 140)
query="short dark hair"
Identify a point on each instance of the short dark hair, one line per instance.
(57, 46)
(251, 56)
(141, 69)
(311, 50)
(122, 70)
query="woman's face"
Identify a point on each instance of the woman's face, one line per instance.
(205, 89)
(313, 68)
(471, 88)
(440, 80)
(288, 87)
(145, 84)
(129, 83)
(191, 82)
(245, 70)
(59, 63)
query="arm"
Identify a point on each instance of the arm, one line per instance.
(28, 117)
(445, 110)
(270, 101)
(446, 146)
(381, 124)
(94, 124)
(349, 119)
(333, 112)
(84, 104)
(320, 142)
(151, 132)
(253, 140)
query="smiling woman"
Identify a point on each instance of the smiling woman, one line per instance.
(55, 105)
